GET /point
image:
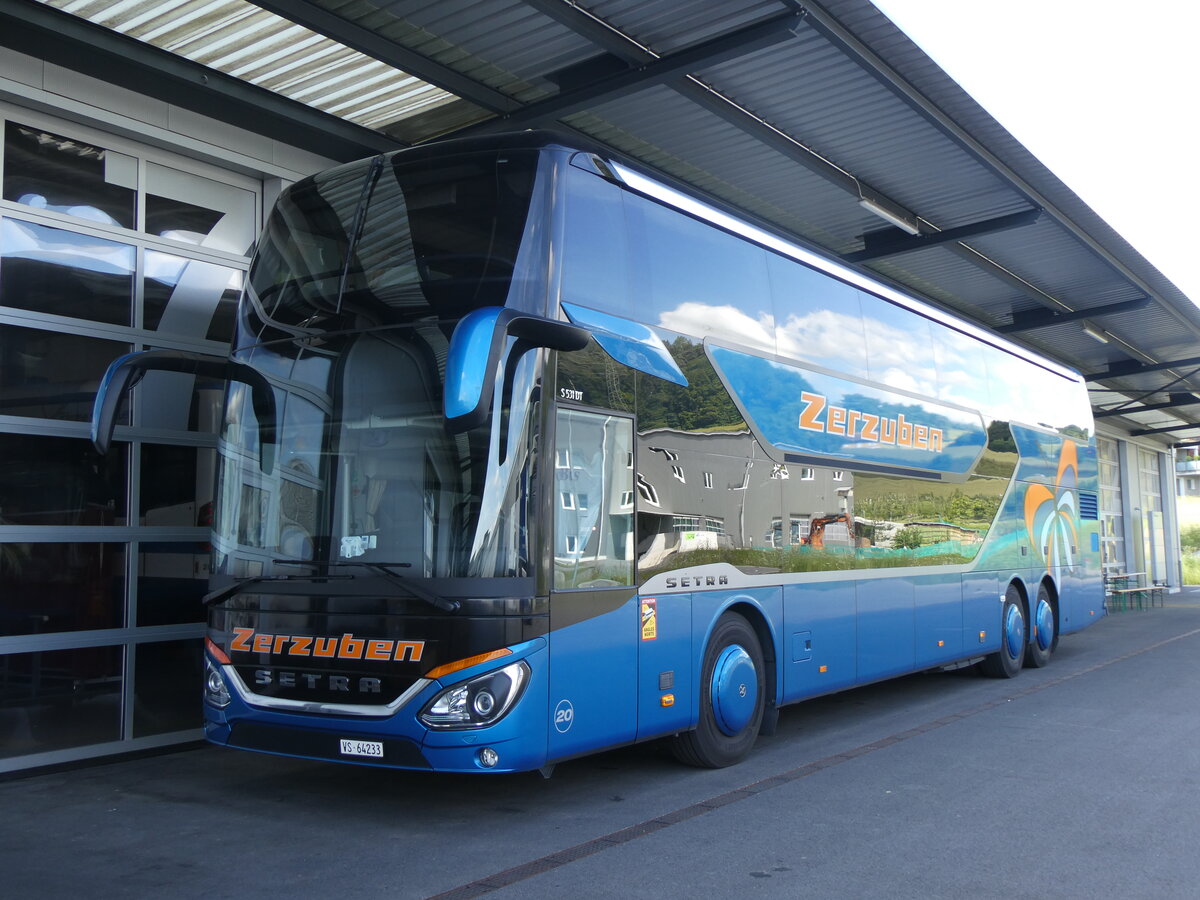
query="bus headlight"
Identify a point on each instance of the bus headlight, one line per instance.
(215, 691)
(481, 701)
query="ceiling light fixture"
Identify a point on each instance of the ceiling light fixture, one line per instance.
(891, 215)
(1095, 333)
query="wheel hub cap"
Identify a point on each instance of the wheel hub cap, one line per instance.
(1045, 625)
(1014, 631)
(734, 690)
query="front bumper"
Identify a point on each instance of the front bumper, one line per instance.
(519, 739)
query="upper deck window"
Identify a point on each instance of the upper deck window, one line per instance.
(382, 241)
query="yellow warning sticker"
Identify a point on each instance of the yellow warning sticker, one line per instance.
(649, 619)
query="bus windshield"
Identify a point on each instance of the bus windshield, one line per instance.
(358, 283)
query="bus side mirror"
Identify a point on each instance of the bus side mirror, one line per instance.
(474, 357)
(126, 371)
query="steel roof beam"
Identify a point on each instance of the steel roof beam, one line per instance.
(1128, 367)
(1138, 432)
(355, 36)
(720, 49)
(1176, 401)
(1030, 319)
(893, 241)
(74, 43)
(594, 29)
(612, 41)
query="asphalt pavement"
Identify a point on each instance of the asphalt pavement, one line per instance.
(1076, 780)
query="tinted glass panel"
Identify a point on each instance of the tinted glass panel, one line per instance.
(704, 405)
(176, 484)
(172, 577)
(696, 279)
(61, 587)
(167, 687)
(818, 318)
(962, 369)
(49, 171)
(593, 516)
(186, 297)
(65, 273)
(1035, 396)
(706, 498)
(907, 522)
(592, 377)
(48, 375)
(58, 699)
(186, 207)
(435, 240)
(898, 347)
(595, 266)
(60, 481)
(179, 401)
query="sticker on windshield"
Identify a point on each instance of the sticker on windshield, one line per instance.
(357, 544)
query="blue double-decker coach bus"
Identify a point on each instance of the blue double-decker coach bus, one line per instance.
(525, 455)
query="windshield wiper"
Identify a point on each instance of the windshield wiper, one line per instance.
(232, 590)
(379, 568)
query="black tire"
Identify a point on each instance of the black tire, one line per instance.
(724, 736)
(1044, 630)
(1007, 661)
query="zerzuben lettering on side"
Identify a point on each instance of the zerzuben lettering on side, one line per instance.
(817, 415)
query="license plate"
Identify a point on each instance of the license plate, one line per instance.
(362, 748)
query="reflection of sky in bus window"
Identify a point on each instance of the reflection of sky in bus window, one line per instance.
(594, 269)
(818, 318)
(898, 343)
(962, 375)
(725, 322)
(313, 369)
(1004, 369)
(690, 264)
(1034, 396)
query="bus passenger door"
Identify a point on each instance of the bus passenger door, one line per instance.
(593, 604)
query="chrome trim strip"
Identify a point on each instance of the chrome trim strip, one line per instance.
(233, 679)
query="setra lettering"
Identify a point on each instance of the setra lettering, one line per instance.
(314, 681)
(697, 580)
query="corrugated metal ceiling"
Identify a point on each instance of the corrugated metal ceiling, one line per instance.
(787, 113)
(243, 40)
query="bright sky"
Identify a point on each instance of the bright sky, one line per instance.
(1106, 94)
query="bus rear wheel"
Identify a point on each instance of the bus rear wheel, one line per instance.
(1045, 634)
(1007, 661)
(732, 697)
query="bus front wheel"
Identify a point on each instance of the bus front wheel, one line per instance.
(1007, 661)
(732, 697)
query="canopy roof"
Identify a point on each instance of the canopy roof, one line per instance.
(821, 122)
